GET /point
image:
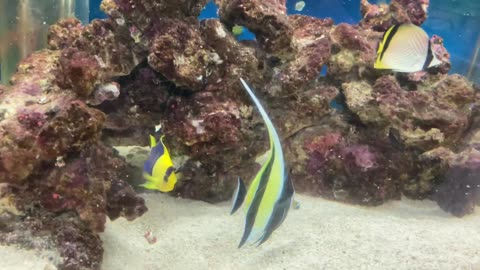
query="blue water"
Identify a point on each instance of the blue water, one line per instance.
(458, 22)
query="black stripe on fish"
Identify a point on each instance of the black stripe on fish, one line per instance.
(253, 209)
(429, 58)
(238, 196)
(169, 171)
(280, 211)
(388, 39)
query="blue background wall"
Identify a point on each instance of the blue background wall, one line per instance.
(457, 21)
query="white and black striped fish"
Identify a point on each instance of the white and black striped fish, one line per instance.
(405, 48)
(270, 194)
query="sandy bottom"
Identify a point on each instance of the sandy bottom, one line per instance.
(319, 235)
(12, 258)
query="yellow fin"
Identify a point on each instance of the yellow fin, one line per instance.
(161, 140)
(150, 184)
(153, 142)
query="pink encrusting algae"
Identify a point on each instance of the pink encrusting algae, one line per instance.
(110, 82)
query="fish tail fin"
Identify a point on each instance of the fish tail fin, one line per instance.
(435, 61)
(238, 196)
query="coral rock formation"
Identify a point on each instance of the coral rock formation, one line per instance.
(267, 19)
(380, 17)
(179, 52)
(458, 191)
(52, 159)
(352, 133)
(424, 118)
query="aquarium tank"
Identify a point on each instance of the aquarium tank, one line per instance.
(24, 26)
(239, 134)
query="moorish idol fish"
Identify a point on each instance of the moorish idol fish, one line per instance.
(405, 48)
(158, 170)
(270, 194)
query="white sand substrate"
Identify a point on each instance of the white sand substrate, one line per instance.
(320, 235)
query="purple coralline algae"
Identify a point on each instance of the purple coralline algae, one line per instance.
(179, 52)
(350, 133)
(53, 160)
(458, 176)
(381, 17)
(346, 169)
(267, 19)
(425, 118)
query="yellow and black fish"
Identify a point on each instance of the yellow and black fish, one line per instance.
(270, 194)
(405, 48)
(158, 170)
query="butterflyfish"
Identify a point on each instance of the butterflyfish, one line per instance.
(405, 48)
(158, 170)
(270, 194)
